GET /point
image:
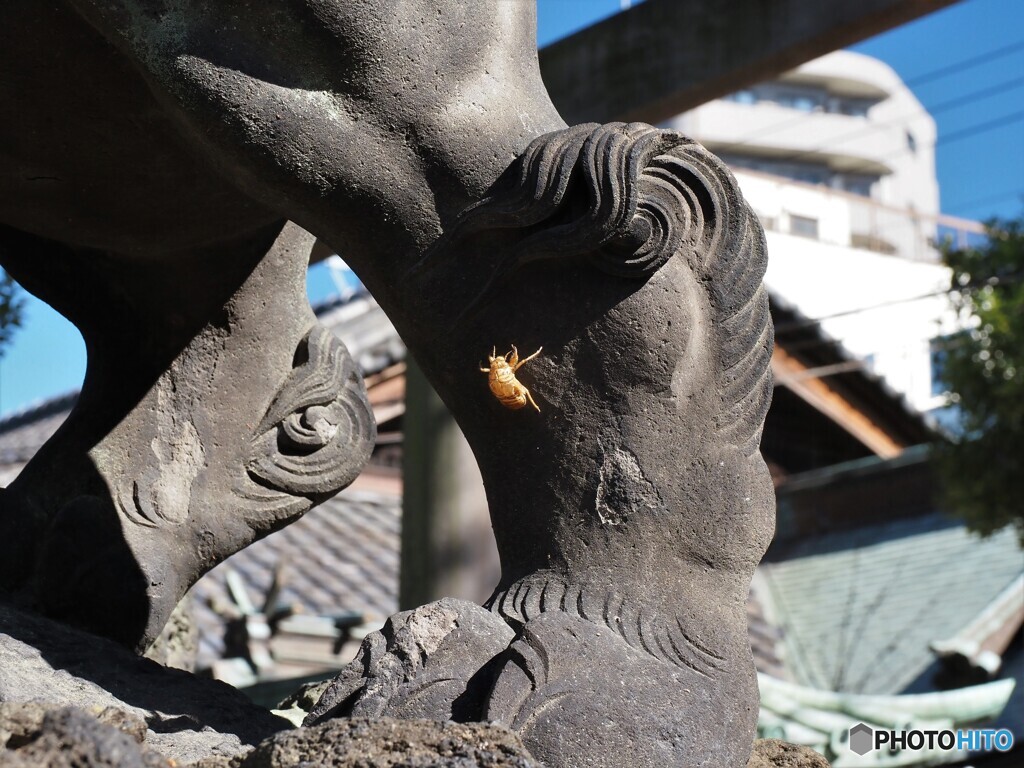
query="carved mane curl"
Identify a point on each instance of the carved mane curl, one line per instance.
(627, 198)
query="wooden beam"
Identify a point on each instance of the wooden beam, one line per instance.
(793, 374)
(663, 57)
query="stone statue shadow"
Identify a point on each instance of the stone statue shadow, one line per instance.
(57, 663)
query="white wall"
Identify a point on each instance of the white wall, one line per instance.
(842, 267)
(885, 310)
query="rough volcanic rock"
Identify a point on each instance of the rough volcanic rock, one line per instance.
(73, 738)
(387, 743)
(773, 753)
(21, 723)
(187, 718)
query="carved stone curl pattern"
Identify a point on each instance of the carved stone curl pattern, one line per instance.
(319, 430)
(640, 626)
(637, 214)
(628, 197)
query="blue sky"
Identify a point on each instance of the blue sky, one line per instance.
(981, 170)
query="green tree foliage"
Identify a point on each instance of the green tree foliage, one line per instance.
(11, 304)
(982, 468)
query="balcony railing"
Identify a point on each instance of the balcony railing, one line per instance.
(841, 218)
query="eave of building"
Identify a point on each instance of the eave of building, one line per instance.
(817, 369)
(874, 79)
(808, 384)
(838, 85)
(780, 148)
(982, 643)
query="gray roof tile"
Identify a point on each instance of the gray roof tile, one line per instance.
(328, 567)
(858, 608)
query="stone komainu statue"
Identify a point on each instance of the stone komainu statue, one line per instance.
(417, 139)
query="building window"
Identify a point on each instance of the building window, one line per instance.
(854, 107)
(937, 349)
(911, 142)
(855, 183)
(803, 226)
(804, 98)
(798, 101)
(745, 96)
(803, 103)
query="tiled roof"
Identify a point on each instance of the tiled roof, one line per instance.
(369, 335)
(23, 432)
(340, 557)
(859, 607)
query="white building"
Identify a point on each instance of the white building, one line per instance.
(837, 159)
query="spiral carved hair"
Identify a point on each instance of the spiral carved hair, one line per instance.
(627, 198)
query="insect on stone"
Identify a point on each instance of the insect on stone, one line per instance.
(501, 377)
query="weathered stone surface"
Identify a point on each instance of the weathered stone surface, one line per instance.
(578, 694)
(178, 644)
(362, 743)
(66, 737)
(186, 718)
(640, 503)
(234, 414)
(773, 753)
(434, 661)
(34, 735)
(114, 173)
(631, 510)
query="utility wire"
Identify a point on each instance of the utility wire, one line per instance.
(1009, 279)
(958, 102)
(935, 74)
(988, 199)
(811, 322)
(963, 133)
(960, 66)
(949, 138)
(859, 361)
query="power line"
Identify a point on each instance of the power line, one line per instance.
(963, 133)
(972, 96)
(980, 128)
(958, 102)
(988, 199)
(949, 138)
(936, 74)
(859, 361)
(795, 325)
(960, 66)
(811, 322)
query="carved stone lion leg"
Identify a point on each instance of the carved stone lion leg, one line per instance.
(214, 411)
(629, 512)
